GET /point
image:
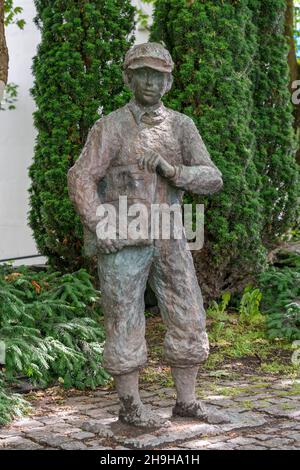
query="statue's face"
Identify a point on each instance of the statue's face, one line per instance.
(148, 85)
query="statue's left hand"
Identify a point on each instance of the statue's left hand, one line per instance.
(155, 162)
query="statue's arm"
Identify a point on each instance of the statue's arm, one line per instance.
(198, 174)
(84, 176)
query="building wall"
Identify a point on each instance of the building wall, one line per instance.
(17, 136)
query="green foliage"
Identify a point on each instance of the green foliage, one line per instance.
(231, 77)
(50, 326)
(243, 334)
(277, 297)
(235, 335)
(11, 14)
(78, 78)
(248, 309)
(285, 325)
(11, 405)
(143, 17)
(273, 122)
(297, 29)
(250, 305)
(280, 286)
(218, 311)
(10, 97)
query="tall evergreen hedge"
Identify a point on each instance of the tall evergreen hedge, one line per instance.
(78, 76)
(225, 83)
(273, 121)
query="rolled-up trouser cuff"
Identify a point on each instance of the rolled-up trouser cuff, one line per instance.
(115, 368)
(187, 354)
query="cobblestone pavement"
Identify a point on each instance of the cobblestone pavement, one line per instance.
(264, 414)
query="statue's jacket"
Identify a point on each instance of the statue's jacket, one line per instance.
(108, 165)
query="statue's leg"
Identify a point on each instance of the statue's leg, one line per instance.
(132, 410)
(187, 404)
(123, 278)
(174, 281)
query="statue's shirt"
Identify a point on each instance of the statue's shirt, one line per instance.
(108, 165)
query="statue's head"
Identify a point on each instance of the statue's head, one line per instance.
(148, 72)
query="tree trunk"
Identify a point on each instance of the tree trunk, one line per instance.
(3, 53)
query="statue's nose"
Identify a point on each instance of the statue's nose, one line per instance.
(149, 81)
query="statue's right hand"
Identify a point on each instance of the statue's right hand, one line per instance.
(108, 246)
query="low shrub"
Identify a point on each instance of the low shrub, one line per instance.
(50, 327)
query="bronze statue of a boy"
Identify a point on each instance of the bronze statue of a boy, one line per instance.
(151, 154)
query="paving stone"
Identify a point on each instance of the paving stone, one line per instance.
(286, 383)
(162, 403)
(279, 412)
(243, 420)
(278, 442)
(282, 401)
(150, 394)
(73, 445)
(29, 445)
(4, 433)
(100, 400)
(19, 443)
(237, 409)
(254, 398)
(62, 430)
(221, 402)
(170, 436)
(46, 438)
(251, 447)
(82, 435)
(13, 442)
(221, 446)
(94, 442)
(241, 441)
(263, 437)
(295, 436)
(262, 418)
(104, 393)
(109, 404)
(75, 420)
(28, 423)
(292, 425)
(97, 428)
(198, 444)
(86, 407)
(294, 398)
(51, 420)
(101, 414)
(289, 448)
(100, 448)
(76, 400)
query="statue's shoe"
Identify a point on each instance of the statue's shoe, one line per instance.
(196, 409)
(142, 416)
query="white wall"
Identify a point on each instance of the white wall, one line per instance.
(17, 136)
(16, 142)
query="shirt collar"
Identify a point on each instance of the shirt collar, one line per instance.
(147, 114)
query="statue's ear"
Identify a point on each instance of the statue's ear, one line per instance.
(127, 78)
(169, 82)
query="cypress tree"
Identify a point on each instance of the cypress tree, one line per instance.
(273, 121)
(78, 78)
(212, 44)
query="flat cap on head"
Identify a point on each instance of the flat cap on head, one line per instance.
(149, 54)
